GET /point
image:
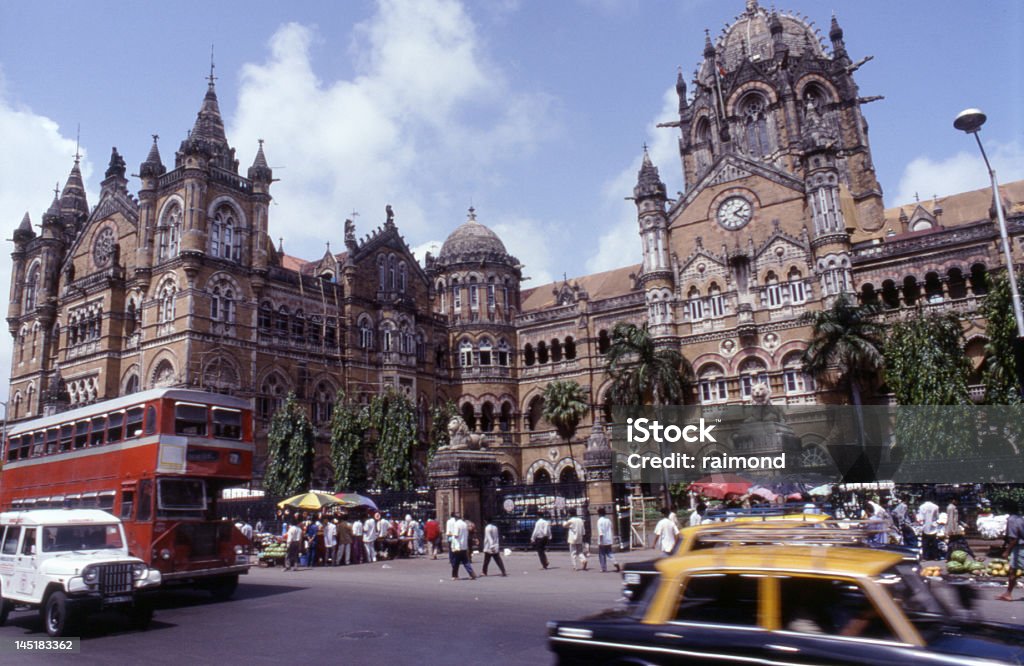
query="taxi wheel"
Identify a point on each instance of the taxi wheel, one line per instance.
(57, 615)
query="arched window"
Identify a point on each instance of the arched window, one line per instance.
(382, 272)
(222, 304)
(716, 302)
(711, 385)
(794, 377)
(490, 293)
(503, 353)
(754, 110)
(272, 394)
(169, 233)
(469, 415)
(165, 303)
(32, 288)
(443, 294)
(485, 351)
(752, 372)
(22, 338)
(466, 354)
(391, 272)
(299, 327)
(773, 291)
(365, 333)
(474, 297)
(421, 347)
(387, 337)
(505, 420)
(283, 319)
(132, 385)
(315, 331)
(535, 412)
(797, 291)
(265, 317)
(570, 348)
(604, 342)
(529, 358)
(323, 403)
(224, 236)
(163, 375)
(542, 477)
(556, 350)
(542, 352)
(487, 418)
(694, 304)
(456, 295)
(979, 279)
(331, 333)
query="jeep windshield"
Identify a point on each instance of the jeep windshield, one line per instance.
(81, 537)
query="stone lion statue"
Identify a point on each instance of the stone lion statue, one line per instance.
(761, 396)
(460, 437)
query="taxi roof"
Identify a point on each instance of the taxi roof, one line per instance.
(786, 518)
(57, 517)
(820, 559)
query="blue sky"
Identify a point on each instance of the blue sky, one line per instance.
(533, 112)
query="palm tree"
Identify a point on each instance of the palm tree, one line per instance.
(642, 373)
(565, 404)
(846, 349)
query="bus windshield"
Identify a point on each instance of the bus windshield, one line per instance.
(81, 537)
(181, 497)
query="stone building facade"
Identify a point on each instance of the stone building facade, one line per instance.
(181, 284)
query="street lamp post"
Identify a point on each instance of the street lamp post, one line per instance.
(970, 121)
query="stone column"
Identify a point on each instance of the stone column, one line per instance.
(598, 463)
(460, 477)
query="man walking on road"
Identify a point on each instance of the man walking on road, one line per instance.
(928, 514)
(294, 540)
(492, 547)
(605, 539)
(460, 549)
(665, 534)
(358, 551)
(540, 538)
(370, 538)
(1014, 549)
(575, 529)
(330, 541)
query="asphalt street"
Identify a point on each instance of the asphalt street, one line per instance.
(404, 612)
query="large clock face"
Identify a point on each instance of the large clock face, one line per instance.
(103, 248)
(735, 212)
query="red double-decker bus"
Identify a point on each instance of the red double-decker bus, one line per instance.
(159, 460)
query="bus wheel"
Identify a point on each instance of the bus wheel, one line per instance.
(57, 615)
(222, 588)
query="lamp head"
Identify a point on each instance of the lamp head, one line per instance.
(970, 120)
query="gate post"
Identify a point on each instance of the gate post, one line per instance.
(459, 477)
(598, 462)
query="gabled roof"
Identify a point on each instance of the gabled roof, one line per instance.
(599, 286)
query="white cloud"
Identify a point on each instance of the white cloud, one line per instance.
(420, 251)
(620, 244)
(419, 126)
(533, 243)
(925, 176)
(36, 156)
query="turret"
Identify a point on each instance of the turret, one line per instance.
(149, 172)
(650, 198)
(261, 176)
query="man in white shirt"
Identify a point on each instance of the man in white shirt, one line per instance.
(449, 533)
(370, 538)
(540, 538)
(605, 539)
(460, 548)
(575, 529)
(330, 541)
(928, 515)
(665, 534)
(358, 550)
(492, 547)
(697, 517)
(293, 537)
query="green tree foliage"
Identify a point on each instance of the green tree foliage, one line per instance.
(349, 424)
(999, 374)
(393, 417)
(289, 450)
(642, 373)
(927, 370)
(565, 404)
(440, 415)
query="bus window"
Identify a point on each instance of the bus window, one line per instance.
(177, 498)
(114, 423)
(145, 500)
(150, 427)
(99, 428)
(13, 446)
(51, 440)
(10, 546)
(88, 501)
(38, 443)
(227, 423)
(81, 434)
(127, 504)
(66, 432)
(133, 423)
(189, 419)
(106, 500)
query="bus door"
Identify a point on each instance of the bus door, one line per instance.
(127, 514)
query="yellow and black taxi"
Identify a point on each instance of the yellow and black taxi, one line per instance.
(789, 605)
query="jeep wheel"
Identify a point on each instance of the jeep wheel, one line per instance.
(222, 588)
(57, 615)
(6, 606)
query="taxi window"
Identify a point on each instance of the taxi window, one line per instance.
(833, 607)
(719, 599)
(10, 546)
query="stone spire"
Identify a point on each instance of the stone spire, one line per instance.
(153, 167)
(207, 137)
(648, 182)
(835, 34)
(260, 170)
(24, 232)
(72, 199)
(114, 178)
(681, 91)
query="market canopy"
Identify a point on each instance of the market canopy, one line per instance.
(311, 501)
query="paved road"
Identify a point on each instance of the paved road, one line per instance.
(405, 612)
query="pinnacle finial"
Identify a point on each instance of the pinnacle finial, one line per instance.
(78, 143)
(211, 78)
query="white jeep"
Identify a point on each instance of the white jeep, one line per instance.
(68, 562)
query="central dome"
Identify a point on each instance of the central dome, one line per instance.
(471, 241)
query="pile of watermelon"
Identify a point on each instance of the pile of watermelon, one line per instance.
(960, 563)
(273, 552)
